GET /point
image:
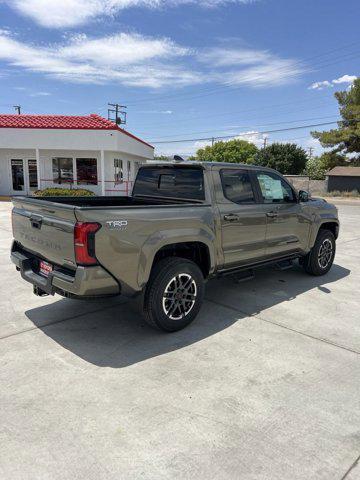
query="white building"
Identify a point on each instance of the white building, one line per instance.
(39, 151)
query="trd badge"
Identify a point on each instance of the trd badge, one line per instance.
(117, 224)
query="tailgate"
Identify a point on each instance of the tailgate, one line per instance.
(45, 228)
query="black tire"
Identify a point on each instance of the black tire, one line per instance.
(315, 263)
(167, 290)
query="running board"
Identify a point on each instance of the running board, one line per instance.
(243, 276)
(263, 263)
(284, 265)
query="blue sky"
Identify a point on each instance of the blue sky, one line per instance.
(185, 68)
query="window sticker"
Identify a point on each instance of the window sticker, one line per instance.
(271, 188)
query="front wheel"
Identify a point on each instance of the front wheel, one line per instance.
(321, 257)
(174, 294)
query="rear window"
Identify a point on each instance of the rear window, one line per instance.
(186, 183)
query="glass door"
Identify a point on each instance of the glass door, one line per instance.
(17, 175)
(32, 179)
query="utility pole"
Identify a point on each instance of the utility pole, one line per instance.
(116, 113)
(18, 109)
(311, 149)
(212, 141)
(265, 142)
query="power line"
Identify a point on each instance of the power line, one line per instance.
(285, 69)
(293, 139)
(256, 126)
(223, 137)
(230, 87)
(287, 74)
(252, 110)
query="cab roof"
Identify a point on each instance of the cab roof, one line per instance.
(204, 165)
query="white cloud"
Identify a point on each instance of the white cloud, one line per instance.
(160, 112)
(349, 79)
(70, 13)
(83, 60)
(40, 94)
(136, 60)
(253, 137)
(312, 143)
(320, 85)
(257, 68)
(345, 79)
(235, 56)
(120, 49)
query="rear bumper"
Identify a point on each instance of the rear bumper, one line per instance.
(83, 282)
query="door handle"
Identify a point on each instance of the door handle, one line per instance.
(271, 214)
(231, 217)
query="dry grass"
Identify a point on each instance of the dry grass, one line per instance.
(346, 194)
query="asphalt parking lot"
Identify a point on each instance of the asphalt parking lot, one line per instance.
(264, 385)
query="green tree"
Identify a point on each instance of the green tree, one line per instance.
(317, 167)
(332, 159)
(346, 138)
(287, 158)
(161, 158)
(233, 151)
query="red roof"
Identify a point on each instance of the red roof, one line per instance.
(63, 122)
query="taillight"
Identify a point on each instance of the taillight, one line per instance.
(84, 242)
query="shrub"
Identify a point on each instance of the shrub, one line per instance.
(347, 194)
(63, 192)
(315, 169)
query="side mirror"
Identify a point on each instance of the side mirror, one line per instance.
(303, 196)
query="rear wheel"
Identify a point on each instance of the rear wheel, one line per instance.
(321, 257)
(174, 294)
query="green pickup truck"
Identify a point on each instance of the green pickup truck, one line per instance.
(185, 222)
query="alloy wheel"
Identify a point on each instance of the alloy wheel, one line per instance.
(325, 253)
(179, 296)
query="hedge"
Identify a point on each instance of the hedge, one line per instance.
(64, 192)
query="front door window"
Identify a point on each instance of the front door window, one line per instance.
(17, 174)
(274, 189)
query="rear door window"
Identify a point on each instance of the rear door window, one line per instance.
(175, 182)
(237, 186)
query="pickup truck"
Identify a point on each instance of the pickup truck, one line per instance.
(185, 222)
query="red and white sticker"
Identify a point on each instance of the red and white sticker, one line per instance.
(45, 268)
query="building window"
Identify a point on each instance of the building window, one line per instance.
(62, 170)
(17, 174)
(118, 170)
(32, 170)
(128, 170)
(86, 171)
